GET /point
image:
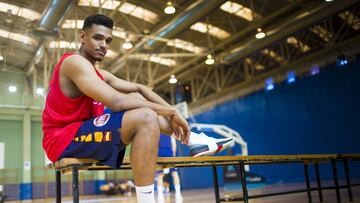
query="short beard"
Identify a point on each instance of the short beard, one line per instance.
(101, 59)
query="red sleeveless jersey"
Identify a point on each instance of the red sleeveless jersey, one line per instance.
(63, 116)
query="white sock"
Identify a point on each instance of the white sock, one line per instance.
(177, 190)
(160, 190)
(145, 194)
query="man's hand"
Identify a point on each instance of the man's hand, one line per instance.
(180, 127)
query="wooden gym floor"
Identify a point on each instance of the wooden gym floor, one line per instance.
(207, 195)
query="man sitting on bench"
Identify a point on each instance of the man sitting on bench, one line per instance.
(75, 125)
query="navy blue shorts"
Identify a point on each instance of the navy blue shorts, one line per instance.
(98, 138)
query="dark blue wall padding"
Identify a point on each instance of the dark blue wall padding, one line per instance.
(315, 115)
(25, 191)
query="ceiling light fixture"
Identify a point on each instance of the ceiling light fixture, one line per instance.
(269, 84)
(209, 60)
(40, 91)
(12, 88)
(8, 19)
(291, 77)
(260, 34)
(169, 9)
(172, 79)
(315, 70)
(341, 60)
(127, 45)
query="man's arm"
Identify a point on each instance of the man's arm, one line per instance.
(82, 74)
(127, 87)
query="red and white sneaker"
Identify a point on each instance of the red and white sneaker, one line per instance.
(203, 145)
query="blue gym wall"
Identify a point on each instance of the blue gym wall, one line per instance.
(316, 114)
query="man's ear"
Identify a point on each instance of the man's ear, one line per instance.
(82, 36)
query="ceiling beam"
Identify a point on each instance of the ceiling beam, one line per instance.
(256, 83)
(178, 24)
(166, 55)
(297, 22)
(52, 17)
(253, 26)
(289, 27)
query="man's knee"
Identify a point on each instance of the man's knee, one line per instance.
(148, 129)
(143, 120)
(146, 115)
(146, 119)
(141, 115)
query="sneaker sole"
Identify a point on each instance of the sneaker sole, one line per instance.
(223, 146)
(206, 153)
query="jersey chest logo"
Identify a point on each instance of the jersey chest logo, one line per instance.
(101, 120)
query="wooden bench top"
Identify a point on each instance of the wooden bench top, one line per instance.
(178, 162)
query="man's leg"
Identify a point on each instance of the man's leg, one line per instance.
(160, 186)
(164, 123)
(141, 128)
(200, 144)
(176, 180)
